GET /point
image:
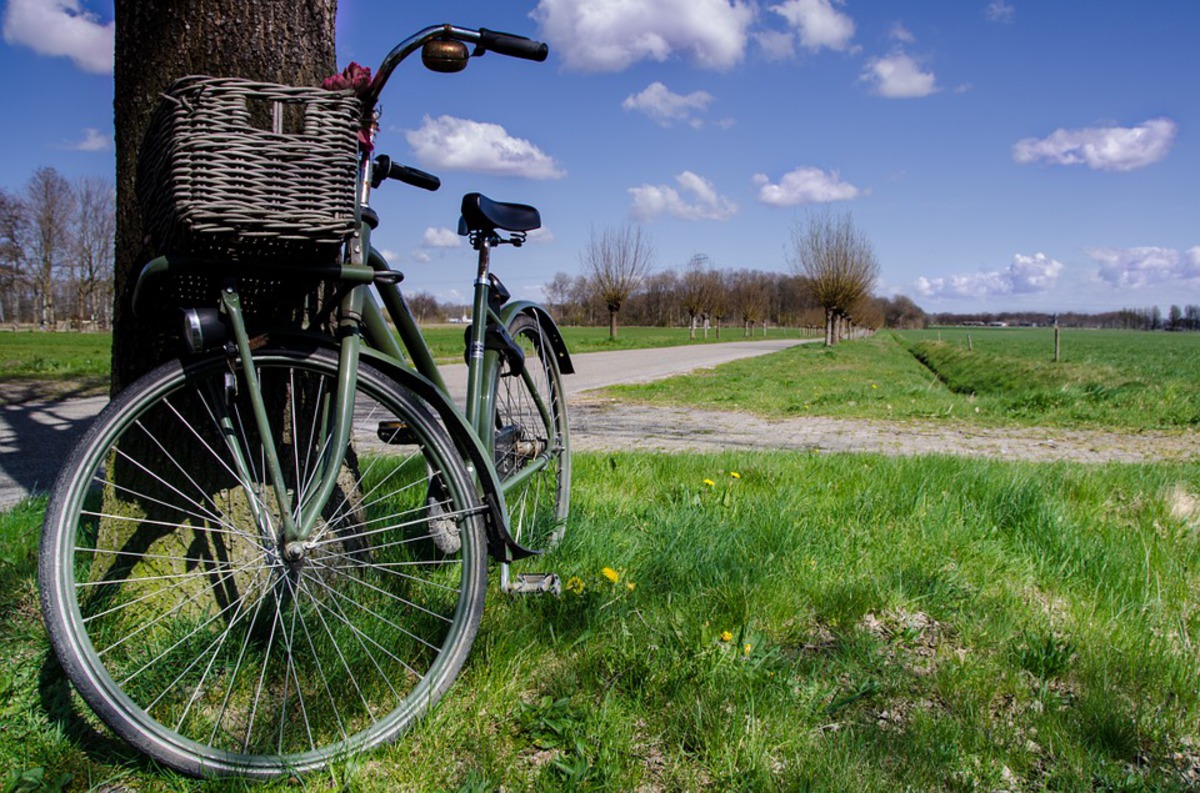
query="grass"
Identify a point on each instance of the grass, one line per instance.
(1113, 380)
(780, 621)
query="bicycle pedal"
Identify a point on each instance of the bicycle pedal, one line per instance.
(535, 584)
(396, 433)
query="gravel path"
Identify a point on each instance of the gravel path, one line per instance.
(599, 424)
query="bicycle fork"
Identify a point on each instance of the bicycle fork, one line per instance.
(298, 526)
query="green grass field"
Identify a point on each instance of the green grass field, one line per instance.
(778, 622)
(1111, 379)
(31, 354)
(798, 621)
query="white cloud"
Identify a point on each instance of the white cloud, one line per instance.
(1132, 268)
(776, 44)
(440, 238)
(817, 23)
(1000, 11)
(805, 185)
(61, 28)
(610, 35)
(93, 140)
(700, 200)
(664, 107)
(899, 76)
(901, 33)
(1026, 275)
(1101, 148)
(459, 144)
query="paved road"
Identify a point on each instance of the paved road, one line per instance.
(35, 437)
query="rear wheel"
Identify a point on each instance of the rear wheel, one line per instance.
(188, 625)
(532, 442)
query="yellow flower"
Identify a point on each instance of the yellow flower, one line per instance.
(726, 636)
(746, 649)
(710, 483)
(735, 474)
(611, 574)
(874, 386)
(575, 585)
(630, 586)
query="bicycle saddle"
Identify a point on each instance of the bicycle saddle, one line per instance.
(480, 213)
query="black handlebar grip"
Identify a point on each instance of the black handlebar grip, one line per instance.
(516, 46)
(386, 169)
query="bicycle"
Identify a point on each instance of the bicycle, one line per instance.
(273, 552)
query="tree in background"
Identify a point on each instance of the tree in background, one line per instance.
(12, 256)
(279, 41)
(696, 292)
(839, 264)
(94, 238)
(617, 261)
(50, 205)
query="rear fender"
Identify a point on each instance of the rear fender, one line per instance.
(501, 545)
(549, 329)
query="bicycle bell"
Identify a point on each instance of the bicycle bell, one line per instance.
(445, 55)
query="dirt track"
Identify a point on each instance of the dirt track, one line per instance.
(605, 425)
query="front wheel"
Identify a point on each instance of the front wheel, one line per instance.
(201, 637)
(531, 444)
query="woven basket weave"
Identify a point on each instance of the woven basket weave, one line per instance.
(246, 170)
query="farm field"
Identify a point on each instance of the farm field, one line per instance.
(776, 621)
(1107, 379)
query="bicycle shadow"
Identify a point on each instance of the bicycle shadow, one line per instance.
(38, 428)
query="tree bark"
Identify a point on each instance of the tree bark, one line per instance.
(159, 41)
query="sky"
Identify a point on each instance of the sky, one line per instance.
(1000, 155)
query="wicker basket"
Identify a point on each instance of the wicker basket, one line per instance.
(252, 171)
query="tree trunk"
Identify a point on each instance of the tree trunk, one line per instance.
(612, 324)
(159, 41)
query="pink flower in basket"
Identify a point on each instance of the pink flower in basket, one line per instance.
(356, 78)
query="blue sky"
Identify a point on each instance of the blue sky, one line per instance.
(1000, 154)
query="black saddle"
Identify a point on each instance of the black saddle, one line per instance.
(482, 214)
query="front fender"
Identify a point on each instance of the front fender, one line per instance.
(549, 329)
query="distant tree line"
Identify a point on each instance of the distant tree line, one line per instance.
(698, 296)
(1177, 318)
(56, 252)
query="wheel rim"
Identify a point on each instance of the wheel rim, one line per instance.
(538, 505)
(192, 629)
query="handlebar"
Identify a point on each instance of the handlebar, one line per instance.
(514, 46)
(483, 39)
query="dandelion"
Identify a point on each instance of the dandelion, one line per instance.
(735, 474)
(874, 386)
(611, 574)
(575, 585)
(710, 483)
(746, 649)
(726, 636)
(630, 586)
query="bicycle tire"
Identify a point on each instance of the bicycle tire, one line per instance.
(538, 506)
(175, 612)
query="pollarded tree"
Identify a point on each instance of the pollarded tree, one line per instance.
(838, 262)
(279, 41)
(697, 291)
(617, 261)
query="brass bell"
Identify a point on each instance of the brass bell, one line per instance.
(445, 55)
